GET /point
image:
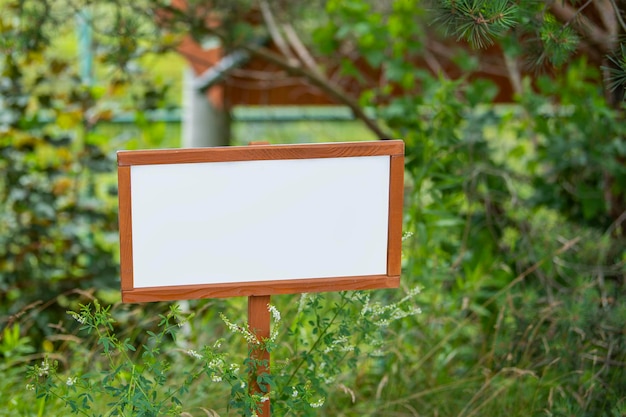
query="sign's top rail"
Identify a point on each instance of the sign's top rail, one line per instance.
(260, 152)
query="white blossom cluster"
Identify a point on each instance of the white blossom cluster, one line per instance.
(302, 303)
(194, 354)
(276, 316)
(382, 315)
(247, 334)
(318, 403)
(44, 369)
(216, 363)
(275, 313)
(78, 317)
(341, 344)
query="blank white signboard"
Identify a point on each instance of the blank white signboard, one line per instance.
(203, 223)
(259, 220)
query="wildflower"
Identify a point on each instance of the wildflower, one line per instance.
(30, 387)
(216, 378)
(44, 369)
(342, 343)
(70, 381)
(265, 398)
(216, 363)
(194, 354)
(247, 334)
(79, 318)
(234, 368)
(303, 301)
(274, 311)
(317, 404)
(294, 393)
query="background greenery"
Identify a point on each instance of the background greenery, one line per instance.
(513, 224)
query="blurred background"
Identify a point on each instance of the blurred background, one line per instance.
(512, 295)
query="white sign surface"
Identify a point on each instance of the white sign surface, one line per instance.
(241, 221)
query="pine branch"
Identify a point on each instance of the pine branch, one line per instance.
(569, 15)
(477, 21)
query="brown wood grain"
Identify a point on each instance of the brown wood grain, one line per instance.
(259, 325)
(260, 152)
(396, 202)
(259, 288)
(126, 229)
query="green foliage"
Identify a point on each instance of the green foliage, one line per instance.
(513, 289)
(559, 42)
(537, 32)
(135, 381)
(580, 152)
(477, 21)
(58, 211)
(514, 235)
(160, 376)
(618, 70)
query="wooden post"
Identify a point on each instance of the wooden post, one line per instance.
(259, 325)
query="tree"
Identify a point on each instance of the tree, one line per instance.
(58, 222)
(549, 32)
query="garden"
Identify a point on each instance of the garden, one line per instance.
(512, 294)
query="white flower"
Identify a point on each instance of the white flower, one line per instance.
(294, 393)
(30, 387)
(216, 378)
(70, 381)
(318, 403)
(275, 312)
(216, 363)
(265, 398)
(247, 334)
(44, 369)
(194, 354)
(302, 303)
(234, 368)
(77, 317)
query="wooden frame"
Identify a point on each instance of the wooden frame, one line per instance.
(394, 149)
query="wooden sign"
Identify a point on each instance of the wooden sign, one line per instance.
(260, 220)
